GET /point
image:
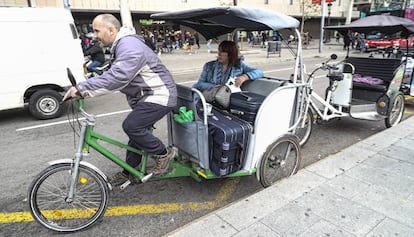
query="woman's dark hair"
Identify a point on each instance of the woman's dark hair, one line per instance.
(230, 48)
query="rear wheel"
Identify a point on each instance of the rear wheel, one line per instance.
(396, 112)
(45, 104)
(48, 198)
(304, 128)
(281, 160)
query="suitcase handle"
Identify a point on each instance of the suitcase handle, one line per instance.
(239, 154)
(248, 98)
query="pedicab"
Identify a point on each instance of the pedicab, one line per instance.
(210, 145)
(388, 25)
(367, 88)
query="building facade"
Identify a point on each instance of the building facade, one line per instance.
(85, 10)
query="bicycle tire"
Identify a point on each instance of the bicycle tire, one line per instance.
(48, 192)
(282, 159)
(396, 112)
(303, 133)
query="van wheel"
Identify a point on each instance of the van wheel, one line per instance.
(45, 104)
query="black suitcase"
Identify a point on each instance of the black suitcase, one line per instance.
(224, 127)
(245, 104)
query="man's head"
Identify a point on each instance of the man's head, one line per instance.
(105, 29)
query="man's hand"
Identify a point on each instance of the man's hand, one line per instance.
(71, 93)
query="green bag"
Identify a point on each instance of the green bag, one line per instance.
(184, 116)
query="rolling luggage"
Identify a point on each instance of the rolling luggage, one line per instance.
(245, 105)
(231, 133)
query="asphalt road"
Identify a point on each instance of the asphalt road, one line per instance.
(150, 209)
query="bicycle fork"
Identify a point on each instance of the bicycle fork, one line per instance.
(75, 169)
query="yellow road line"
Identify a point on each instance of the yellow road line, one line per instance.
(224, 192)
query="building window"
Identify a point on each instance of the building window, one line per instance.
(184, 1)
(290, 2)
(266, 2)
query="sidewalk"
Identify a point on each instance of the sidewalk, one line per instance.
(181, 61)
(364, 190)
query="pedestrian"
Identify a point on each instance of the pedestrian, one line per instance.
(209, 45)
(148, 85)
(150, 41)
(360, 43)
(347, 40)
(197, 39)
(264, 38)
(97, 56)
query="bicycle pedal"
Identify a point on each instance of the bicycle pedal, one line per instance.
(146, 177)
(124, 185)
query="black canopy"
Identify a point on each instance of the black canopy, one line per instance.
(380, 23)
(216, 21)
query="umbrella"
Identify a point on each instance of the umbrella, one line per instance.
(380, 23)
(216, 21)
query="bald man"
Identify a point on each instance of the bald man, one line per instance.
(149, 87)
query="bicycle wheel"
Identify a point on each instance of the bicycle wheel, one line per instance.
(48, 194)
(282, 159)
(304, 132)
(396, 112)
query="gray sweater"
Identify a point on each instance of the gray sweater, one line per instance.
(136, 71)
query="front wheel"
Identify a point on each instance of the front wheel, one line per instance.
(282, 159)
(304, 128)
(396, 112)
(48, 198)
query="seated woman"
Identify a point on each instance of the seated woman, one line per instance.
(227, 65)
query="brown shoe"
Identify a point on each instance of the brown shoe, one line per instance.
(162, 162)
(118, 179)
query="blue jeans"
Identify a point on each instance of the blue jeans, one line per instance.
(137, 126)
(93, 65)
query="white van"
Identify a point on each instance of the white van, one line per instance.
(37, 45)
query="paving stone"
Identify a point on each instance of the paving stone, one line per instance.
(244, 213)
(348, 187)
(290, 220)
(298, 184)
(389, 227)
(257, 230)
(391, 204)
(324, 228)
(406, 142)
(377, 142)
(339, 163)
(393, 181)
(398, 152)
(340, 211)
(392, 165)
(211, 225)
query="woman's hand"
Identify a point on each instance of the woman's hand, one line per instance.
(241, 79)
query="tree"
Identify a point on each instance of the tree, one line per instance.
(308, 10)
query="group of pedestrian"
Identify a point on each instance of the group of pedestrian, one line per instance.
(171, 40)
(354, 40)
(257, 38)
